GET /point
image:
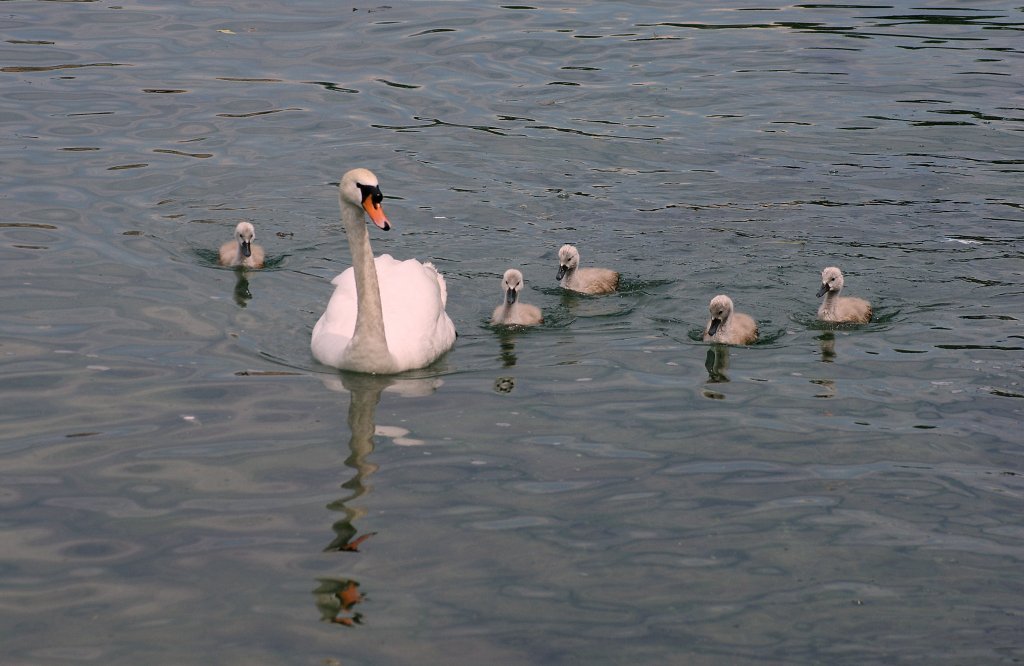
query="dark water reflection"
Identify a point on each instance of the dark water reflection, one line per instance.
(603, 488)
(365, 394)
(336, 598)
(242, 293)
(716, 363)
(507, 344)
(828, 346)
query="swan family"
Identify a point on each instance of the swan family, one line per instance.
(387, 316)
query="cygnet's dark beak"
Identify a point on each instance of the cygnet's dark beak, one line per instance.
(510, 296)
(824, 288)
(561, 272)
(246, 250)
(713, 328)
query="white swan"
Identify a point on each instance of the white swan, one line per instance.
(242, 251)
(385, 316)
(512, 311)
(583, 280)
(840, 308)
(727, 326)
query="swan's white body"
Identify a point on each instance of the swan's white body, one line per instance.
(512, 311)
(727, 326)
(848, 309)
(385, 316)
(242, 251)
(584, 280)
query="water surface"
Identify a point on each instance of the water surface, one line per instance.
(182, 483)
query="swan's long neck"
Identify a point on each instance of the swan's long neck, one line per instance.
(369, 339)
(828, 304)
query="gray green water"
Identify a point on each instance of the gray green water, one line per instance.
(181, 483)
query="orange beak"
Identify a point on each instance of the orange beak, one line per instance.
(376, 213)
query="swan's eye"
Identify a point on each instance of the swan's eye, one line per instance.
(371, 192)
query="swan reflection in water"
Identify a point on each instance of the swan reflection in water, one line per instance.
(507, 342)
(507, 346)
(716, 363)
(827, 340)
(337, 597)
(364, 393)
(242, 293)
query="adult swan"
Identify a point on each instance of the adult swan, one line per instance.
(385, 316)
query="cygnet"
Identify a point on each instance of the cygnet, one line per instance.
(727, 326)
(512, 311)
(840, 308)
(242, 251)
(584, 280)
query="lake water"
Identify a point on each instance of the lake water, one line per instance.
(181, 483)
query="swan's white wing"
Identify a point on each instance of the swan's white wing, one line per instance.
(413, 296)
(333, 331)
(431, 269)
